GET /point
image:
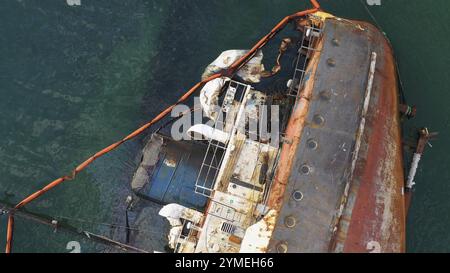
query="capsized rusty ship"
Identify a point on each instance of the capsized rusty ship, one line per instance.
(332, 181)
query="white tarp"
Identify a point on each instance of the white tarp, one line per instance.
(251, 72)
(174, 212)
(208, 132)
(209, 96)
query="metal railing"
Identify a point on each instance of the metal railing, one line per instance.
(310, 37)
(215, 152)
(225, 212)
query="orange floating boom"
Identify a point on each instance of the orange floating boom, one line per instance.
(233, 68)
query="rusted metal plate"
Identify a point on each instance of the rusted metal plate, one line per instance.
(374, 216)
(319, 164)
(168, 170)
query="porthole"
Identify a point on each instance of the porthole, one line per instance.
(305, 169)
(282, 247)
(290, 221)
(312, 144)
(318, 120)
(297, 195)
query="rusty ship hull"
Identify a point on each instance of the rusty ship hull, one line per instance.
(344, 209)
(378, 189)
(328, 177)
(336, 179)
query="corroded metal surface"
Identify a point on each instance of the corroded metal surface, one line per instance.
(168, 170)
(339, 181)
(318, 163)
(374, 216)
(292, 137)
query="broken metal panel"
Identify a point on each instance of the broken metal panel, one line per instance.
(150, 155)
(258, 235)
(168, 171)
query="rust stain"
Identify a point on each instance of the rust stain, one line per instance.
(294, 131)
(378, 213)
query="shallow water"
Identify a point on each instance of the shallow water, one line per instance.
(75, 79)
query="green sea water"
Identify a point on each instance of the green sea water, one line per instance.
(74, 79)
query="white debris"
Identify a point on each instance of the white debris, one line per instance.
(209, 96)
(250, 72)
(209, 133)
(73, 2)
(175, 212)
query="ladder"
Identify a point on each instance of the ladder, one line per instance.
(310, 36)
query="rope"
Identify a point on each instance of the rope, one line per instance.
(374, 19)
(233, 68)
(107, 224)
(372, 16)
